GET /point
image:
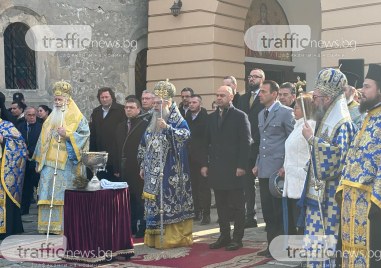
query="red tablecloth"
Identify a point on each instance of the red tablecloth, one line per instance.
(97, 225)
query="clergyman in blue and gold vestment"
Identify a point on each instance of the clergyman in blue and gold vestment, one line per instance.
(66, 124)
(360, 187)
(329, 145)
(163, 149)
(13, 160)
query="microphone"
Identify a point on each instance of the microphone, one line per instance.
(145, 115)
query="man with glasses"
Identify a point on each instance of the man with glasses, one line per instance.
(30, 130)
(250, 104)
(333, 135)
(147, 101)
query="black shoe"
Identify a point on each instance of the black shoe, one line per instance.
(222, 241)
(234, 245)
(265, 253)
(205, 220)
(197, 216)
(251, 223)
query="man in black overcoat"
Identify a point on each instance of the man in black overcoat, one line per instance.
(103, 122)
(197, 118)
(128, 136)
(228, 145)
(30, 129)
(249, 103)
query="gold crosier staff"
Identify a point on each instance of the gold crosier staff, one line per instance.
(162, 93)
(317, 184)
(63, 108)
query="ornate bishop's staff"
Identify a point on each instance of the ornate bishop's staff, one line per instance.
(63, 108)
(317, 184)
(162, 93)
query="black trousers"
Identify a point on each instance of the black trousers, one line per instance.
(375, 236)
(12, 220)
(31, 180)
(272, 211)
(250, 195)
(231, 202)
(293, 215)
(201, 192)
(137, 212)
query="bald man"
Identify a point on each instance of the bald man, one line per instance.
(228, 140)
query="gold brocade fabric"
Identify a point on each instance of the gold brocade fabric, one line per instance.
(49, 139)
(175, 235)
(56, 224)
(360, 186)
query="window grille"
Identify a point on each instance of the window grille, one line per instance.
(20, 61)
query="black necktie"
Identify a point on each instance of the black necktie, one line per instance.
(266, 114)
(220, 117)
(128, 126)
(28, 127)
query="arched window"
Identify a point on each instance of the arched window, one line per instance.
(20, 61)
(140, 72)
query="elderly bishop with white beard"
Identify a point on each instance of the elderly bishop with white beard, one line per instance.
(66, 124)
(163, 150)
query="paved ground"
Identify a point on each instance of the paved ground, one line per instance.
(256, 234)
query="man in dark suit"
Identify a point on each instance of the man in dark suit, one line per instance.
(250, 104)
(128, 136)
(197, 117)
(276, 122)
(186, 93)
(103, 121)
(30, 129)
(228, 146)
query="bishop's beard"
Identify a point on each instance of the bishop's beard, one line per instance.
(56, 117)
(152, 127)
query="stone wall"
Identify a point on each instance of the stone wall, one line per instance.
(119, 29)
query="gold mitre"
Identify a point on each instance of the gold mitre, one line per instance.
(62, 88)
(164, 89)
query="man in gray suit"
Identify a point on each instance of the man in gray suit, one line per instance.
(276, 122)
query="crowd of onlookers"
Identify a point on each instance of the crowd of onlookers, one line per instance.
(28, 120)
(266, 133)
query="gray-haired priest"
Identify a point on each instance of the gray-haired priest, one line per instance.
(163, 149)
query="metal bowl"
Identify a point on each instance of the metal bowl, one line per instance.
(94, 159)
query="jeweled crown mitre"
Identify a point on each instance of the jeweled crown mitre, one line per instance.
(164, 89)
(331, 82)
(62, 88)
